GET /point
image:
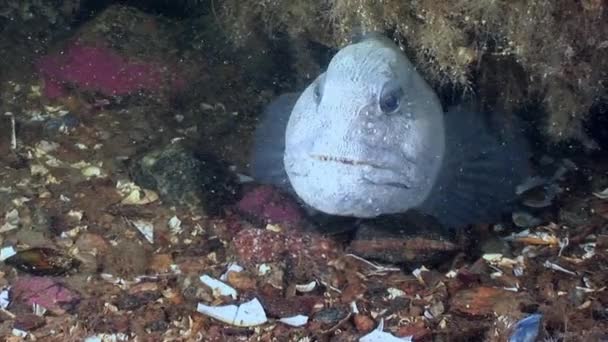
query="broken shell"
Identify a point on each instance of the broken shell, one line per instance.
(394, 293)
(523, 219)
(11, 221)
(7, 252)
(145, 228)
(4, 298)
(218, 286)
(43, 261)
(602, 194)
(245, 315)
(91, 171)
(38, 170)
(526, 330)
(378, 335)
(139, 196)
(234, 267)
(306, 287)
(175, 225)
(295, 321)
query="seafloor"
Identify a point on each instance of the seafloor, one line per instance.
(125, 215)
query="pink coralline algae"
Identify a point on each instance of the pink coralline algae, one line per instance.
(103, 70)
(43, 291)
(308, 250)
(265, 203)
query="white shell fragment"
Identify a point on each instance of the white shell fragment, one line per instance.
(248, 314)
(133, 194)
(602, 194)
(140, 197)
(107, 338)
(38, 170)
(263, 269)
(304, 288)
(523, 219)
(38, 309)
(492, 257)
(75, 214)
(7, 252)
(145, 228)
(11, 221)
(394, 293)
(242, 178)
(175, 225)
(418, 273)
(4, 298)
(553, 266)
(218, 286)
(233, 267)
(47, 146)
(18, 332)
(378, 335)
(91, 171)
(295, 321)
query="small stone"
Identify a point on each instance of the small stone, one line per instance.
(130, 301)
(484, 301)
(267, 205)
(353, 291)
(241, 281)
(329, 317)
(259, 246)
(92, 243)
(417, 330)
(144, 287)
(192, 265)
(364, 323)
(161, 263)
(277, 306)
(91, 171)
(183, 177)
(602, 242)
(155, 319)
(126, 259)
(28, 322)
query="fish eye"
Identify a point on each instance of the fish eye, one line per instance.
(390, 98)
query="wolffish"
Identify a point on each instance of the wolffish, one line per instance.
(369, 137)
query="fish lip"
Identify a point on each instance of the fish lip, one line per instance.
(404, 181)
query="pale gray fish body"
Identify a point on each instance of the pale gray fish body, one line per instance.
(369, 137)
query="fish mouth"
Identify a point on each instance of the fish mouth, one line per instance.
(383, 175)
(343, 160)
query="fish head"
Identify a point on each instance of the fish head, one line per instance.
(366, 137)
